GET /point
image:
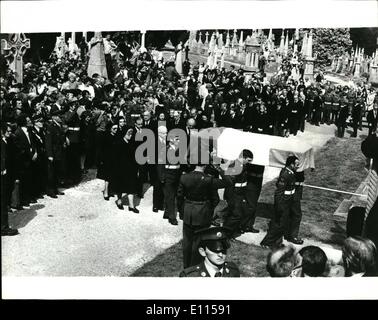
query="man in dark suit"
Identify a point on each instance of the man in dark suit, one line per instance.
(170, 177)
(25, 155)
(372, 118)
(158, 177)
(197, 197)
(58, 107)
(39, 174)
(222, 116)
(213, 248)
(6, 183)
(55, 142)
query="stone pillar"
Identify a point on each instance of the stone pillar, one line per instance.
(96, 63)
(143, 41)
(304, 45)
(16, 47)
(282, 43)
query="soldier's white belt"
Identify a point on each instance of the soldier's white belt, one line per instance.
(172, 166)
(299, 183)
(74, 128)
(241, 184)
(289, 192)
(294, 111)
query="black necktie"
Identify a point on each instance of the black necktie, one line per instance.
(218, 274)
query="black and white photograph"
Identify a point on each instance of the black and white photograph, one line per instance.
(198, 152)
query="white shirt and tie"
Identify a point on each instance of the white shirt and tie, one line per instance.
(25, 130)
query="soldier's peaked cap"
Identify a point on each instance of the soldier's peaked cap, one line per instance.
(214, 233)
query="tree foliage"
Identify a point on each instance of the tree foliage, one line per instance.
(329, 43)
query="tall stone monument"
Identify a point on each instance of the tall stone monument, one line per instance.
(97, 62)
(309, 60)
(16, 46)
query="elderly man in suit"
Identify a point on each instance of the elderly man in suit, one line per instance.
(6, 184)
(55, 142)
(25, 155)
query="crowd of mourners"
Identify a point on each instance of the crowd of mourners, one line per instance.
(60, 122)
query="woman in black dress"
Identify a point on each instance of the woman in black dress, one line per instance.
(105, 170)
(125, 178)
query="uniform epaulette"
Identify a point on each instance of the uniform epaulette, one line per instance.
(191, 269)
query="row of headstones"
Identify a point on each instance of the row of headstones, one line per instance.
(356, 65)
(246, 52)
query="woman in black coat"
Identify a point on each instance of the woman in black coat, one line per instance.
(106, 168)
(125, 178)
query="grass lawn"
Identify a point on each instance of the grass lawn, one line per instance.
(339, 165)
(250, 259)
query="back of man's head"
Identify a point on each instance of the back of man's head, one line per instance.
(281, 261)
(314, 261)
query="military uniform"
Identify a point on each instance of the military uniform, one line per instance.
(335, 107)
(356, 113)
(342, 117)
(284, 202)
(230, 270)
(73, 149)
(236, 196)
(170, 176)
(197, 197)
(327, 97)
(215, 240)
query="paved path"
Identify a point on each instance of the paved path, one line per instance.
(80, 234)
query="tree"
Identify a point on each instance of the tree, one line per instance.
(329, 43)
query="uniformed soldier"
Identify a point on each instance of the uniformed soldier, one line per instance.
(357, 111)
(327, 98)
(342, 116)
(296, 216)
(213, 249)
(73, 149)
(335, 106)
(284, 206)
(242, 211)
(255, 175)
(170, 177)
(197, 197)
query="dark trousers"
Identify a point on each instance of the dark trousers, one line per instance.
(355, 127)
(294, 219)
(157, 193)
(39, 177)
(326, 115)
(341, 130)
(73, 161)
(279, 226)
(54, 175)
(99, 144)
(190, 242)
(4, 201)
(170, 189)
(238, 208)
(251, 196)
(26, 186)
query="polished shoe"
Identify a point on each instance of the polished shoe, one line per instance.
(60, 193)
(119, 205)
(134, 210)
(295, 240)
(252, 230)
(9, 232)
(106, 198)
(33, 201)
(173, 222)
(155, 210)
(51, 195)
